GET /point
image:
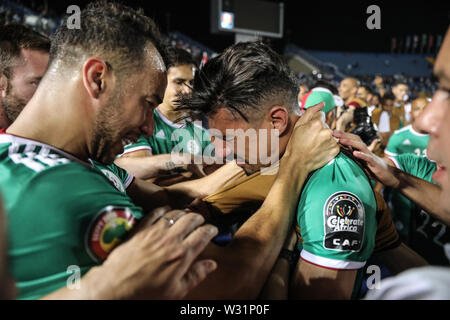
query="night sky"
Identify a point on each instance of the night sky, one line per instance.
(324, 25)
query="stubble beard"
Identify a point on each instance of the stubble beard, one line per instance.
(106, 131)
(13, 106)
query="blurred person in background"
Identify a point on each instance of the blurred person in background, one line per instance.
(151, 156)
(323, 91)
(408, 140)
(347, 91)
(386, 121)
(364, 93)
(379, 85)
(374, 103)
(430, 282)
(400, 90)
(24, 57)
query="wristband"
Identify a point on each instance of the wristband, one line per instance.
(291, 256)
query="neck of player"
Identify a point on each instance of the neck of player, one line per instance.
(170, 113)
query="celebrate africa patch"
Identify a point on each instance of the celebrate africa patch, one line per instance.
(108, 229)
(344, 218)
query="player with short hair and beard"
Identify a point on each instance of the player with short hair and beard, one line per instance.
(24, 57)
(101, 86)
(105, 80)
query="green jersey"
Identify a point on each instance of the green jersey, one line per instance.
(407, 140)
(116, 175)
(187, 137)
(336, 216)
(427, 235)
(62, 213)
(404, 141)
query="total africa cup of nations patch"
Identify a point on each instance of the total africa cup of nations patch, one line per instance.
(344, 218)
(110, 226)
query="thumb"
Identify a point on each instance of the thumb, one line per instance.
(310, 113)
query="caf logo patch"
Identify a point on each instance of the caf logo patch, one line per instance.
(344, 218)
(108, 229)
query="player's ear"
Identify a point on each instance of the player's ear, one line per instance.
(96, 75)
(279, 119)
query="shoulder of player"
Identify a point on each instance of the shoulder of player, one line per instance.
(403, 131)
(403, 160)
(337, 172)
(33, 155)
(67, 176)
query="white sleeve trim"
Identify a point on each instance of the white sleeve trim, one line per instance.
(395, 162)
(128, 180)
(391, 154)
(330, 263)
(135, 149)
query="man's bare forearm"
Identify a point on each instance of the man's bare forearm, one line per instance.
(277, 284)
(149, 166)
(200, 188)
(93, 286)
(401, 258)
(147, 195)
(245, 263)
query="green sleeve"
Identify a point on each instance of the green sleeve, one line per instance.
(336, 216)
(418, 166)
(123, 175)
(142, 144)
(68, 215)
(119, 177)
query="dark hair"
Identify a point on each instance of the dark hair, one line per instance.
(367, 88)
(399, 83)
(178, 56)
(387, 96)
(13, 38)
(377, 95)
(115, 32)
(242, 79)
(326, 85)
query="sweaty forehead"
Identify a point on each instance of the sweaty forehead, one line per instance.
(184, 71)
(154, 59)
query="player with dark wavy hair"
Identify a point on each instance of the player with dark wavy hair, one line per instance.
(248, 86)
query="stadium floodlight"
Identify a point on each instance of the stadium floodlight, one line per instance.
(247, 17)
